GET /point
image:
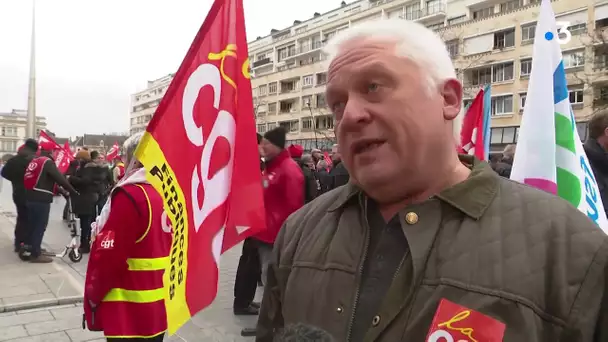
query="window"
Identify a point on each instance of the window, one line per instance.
(321, 101)
(301, 29)
(321, 78)
(272, 108)
(324, 122)
(286, 107)
(453, 48)
(307, 80)
(575, 29)
(502, 105)
(483, 13)
(307, 101)
(291, 50)
(290, 126)
(502, 72)
(262, 90)
(9, 132)
(575, 96)
(573, 59)
(306, 125)
(412, 12)
(525, 67)
(504, 135)
(272, 88)
(522, 102)
(261, 128)
(288, 86)
(281, 54)
(271, 125)
(504, 39)
(511, 5)
(9, 146)
(527, 33)
(457, 20)
(481, 76)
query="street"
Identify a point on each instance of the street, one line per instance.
(41, 302)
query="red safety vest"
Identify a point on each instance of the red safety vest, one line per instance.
(33, 173)
(135, 308)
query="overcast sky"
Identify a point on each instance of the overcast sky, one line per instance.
(93, 54)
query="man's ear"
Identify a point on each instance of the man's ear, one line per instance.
(451, 90)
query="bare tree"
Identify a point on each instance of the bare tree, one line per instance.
(257, 103)
(594, 68)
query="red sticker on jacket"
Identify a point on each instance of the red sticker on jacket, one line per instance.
(455, 323)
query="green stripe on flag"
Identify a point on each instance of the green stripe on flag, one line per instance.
(568, 187)
(564, 136)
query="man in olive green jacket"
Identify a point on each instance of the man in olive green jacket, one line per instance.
(424, 245)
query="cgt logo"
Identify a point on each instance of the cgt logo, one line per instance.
(107, 242)
(455, 323)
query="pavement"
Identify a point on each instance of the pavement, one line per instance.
(41, 302)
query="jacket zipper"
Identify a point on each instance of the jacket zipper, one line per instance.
(354, 308)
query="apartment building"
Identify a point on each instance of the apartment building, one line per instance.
(12, 130)
(490, 42)
(144, 103)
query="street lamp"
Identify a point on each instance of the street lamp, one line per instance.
(312, 122)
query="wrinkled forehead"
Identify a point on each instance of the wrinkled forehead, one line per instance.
(360, 53)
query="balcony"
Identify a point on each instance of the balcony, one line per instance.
(304, 48)
(600, 62)
(261, 62)
(433, 12)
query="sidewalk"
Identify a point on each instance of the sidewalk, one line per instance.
(25, 285)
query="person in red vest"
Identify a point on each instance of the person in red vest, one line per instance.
(124, 295)
(118, 170)
(40, 180)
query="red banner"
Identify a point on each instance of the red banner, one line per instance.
(200, 152)
(471, 134)
(62, 157)
(113, 152)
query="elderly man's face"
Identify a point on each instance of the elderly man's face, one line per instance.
(389, 125)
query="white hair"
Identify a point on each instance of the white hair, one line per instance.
(414, 41)
(130, 145)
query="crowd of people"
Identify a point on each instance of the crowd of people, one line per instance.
(36, 180)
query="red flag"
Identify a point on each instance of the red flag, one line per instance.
(453, 322)
(328, 160)
(61, 156)
(199, 151)
(113, 152)
(45, 142)
(471, 135)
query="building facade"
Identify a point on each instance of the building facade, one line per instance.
(13, 130)
(144, 103)
(99, 142)
(490, 42)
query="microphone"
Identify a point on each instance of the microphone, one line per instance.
(303, 333)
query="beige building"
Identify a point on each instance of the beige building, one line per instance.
(12, 130)
(490, 42)
(144, 103)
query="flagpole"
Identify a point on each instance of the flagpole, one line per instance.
(31, 97)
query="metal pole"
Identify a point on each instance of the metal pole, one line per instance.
(31, 97)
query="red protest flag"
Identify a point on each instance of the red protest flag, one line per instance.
(45, 142)
(471, 134)
(113, 152)
(200, 153)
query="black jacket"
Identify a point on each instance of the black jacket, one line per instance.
(598, 158)
(14, 171)
(90, 181)
(49, 176)
(310, 182)
(338, 175)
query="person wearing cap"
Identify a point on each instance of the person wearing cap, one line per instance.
(13, 171)
(310, 183)
(283, 194)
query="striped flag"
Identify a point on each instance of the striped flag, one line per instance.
(549, 153)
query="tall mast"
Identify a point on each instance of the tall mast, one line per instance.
(31, 97)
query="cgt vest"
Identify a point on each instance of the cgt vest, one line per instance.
(135, 308)
(33, 173)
